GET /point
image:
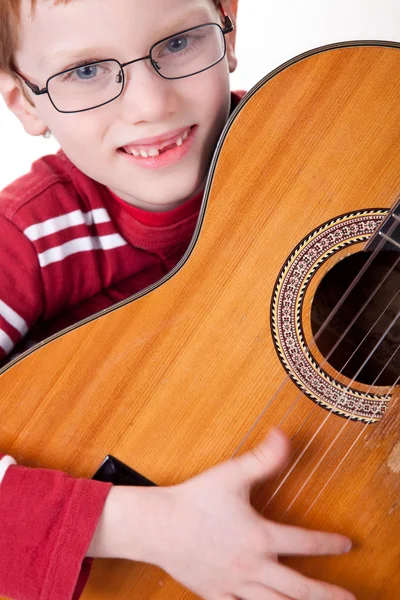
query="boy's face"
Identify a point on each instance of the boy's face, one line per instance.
(150, 105)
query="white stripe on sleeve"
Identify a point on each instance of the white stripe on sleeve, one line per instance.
(85, 244)
(13, 318)
(5, 462)
(6, 342)
(72, 219)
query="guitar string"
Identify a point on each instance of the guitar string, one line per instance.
(370, 297)
(290, 409)
(348, 452)
(369, 331)
(312, 344)
(358, 405)
(313, 341)
(315, 406)
(336, 345)
(323, 457)
(340, 339)
(339, 433)
(382, 242)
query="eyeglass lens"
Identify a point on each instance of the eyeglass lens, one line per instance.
(177, 57)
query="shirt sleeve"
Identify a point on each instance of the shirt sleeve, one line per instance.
(47, 518)
(47, 522)
(21, 288)
(5, 462)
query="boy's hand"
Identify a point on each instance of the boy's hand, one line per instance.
(212, 540)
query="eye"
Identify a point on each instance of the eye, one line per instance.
(177, 44)
(87, 72)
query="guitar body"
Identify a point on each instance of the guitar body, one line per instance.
(202, 365)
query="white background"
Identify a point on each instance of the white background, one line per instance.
(269, 33)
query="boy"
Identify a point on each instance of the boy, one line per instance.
(109, 214)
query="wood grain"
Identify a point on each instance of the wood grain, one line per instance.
(173, 382)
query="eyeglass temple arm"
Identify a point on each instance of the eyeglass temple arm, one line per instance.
(228, 25)
(32, 86)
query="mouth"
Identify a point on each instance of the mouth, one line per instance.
(157, 148)
(161, 153)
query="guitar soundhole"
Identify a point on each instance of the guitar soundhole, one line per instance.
(383, 367)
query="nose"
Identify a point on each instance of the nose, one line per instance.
(147, 96)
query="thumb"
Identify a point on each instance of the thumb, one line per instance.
(264, 460)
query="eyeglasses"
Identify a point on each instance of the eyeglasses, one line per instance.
(181, 55)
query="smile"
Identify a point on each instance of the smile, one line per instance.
(162, 154)
(158, 149)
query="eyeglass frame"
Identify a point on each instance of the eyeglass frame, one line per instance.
(35, 89)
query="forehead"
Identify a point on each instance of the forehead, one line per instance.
(122, 26)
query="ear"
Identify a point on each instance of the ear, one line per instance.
(20, 104)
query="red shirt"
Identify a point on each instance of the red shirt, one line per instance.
(72, 248)
(68, 248)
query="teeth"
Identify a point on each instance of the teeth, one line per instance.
(152, 152)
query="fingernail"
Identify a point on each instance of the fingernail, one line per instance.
(348, 546)
(274, 433)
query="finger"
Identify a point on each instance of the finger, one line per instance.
(266, 459)
(291, 541)
(252, 591)
(295, 585)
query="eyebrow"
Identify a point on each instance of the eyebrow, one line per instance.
(93, 53)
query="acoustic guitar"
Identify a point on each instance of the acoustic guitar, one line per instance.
(282, 312)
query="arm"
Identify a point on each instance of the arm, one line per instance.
(47, 522)
(205, 533)
(47, 518)
(21, 293)
(202, 532)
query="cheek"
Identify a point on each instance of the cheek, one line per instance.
(80, 130)
(211, 95)
(212, 87)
